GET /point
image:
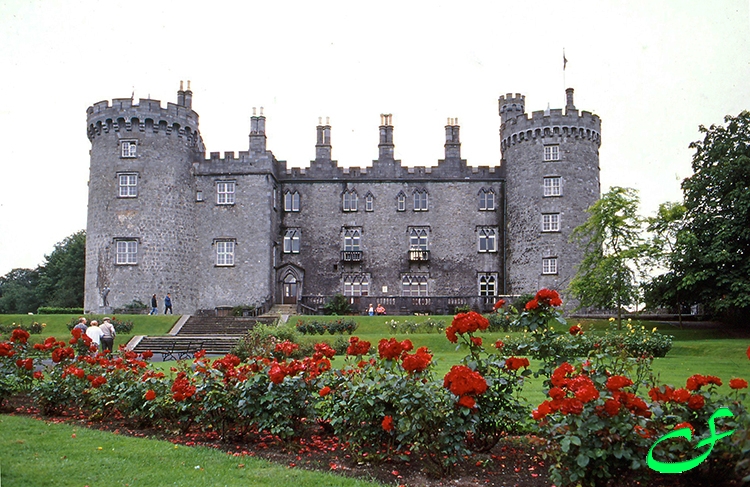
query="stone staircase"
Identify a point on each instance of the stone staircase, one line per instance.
(217, 335)
(282, 311)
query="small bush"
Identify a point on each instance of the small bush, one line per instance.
(338, 305)
(315, 327)
(261, 340)
(430, 325)
(34, 328)
(50, 310)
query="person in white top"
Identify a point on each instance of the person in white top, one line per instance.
(95, 333)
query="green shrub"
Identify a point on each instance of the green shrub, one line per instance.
(50, 310)
(314, 327)
(261, 340)
(338, 305)
(34, 328)
(430, 325)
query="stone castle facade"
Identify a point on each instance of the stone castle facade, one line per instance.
(245, 229)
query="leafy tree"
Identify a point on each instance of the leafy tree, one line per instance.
(18, 291)
(663, 289)
(61, 277)
(715, 243)
(613, 249)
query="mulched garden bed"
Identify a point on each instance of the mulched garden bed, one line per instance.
(515, 462)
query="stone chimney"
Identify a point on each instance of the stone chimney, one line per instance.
(323, 143)
(257, 132)
(569, 106)
(188, 97)
(452, 140)
(385, 147)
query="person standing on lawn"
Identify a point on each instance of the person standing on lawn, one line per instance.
(154, 309)
(108, 335)
(168, 304)
(95, 333)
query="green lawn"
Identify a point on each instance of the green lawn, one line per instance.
(57, 325)
(35, 453)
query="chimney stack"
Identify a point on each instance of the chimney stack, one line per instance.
(385, 147)
(452, 140)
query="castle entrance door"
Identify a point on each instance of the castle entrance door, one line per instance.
(289, 291)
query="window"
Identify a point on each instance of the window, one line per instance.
(420, 200)
(401, 201)
(126, 252)
(291, 241)
(552, 186)
(369, 202)
(225, 252)
(352, 239)
(350, 201)
(418, 239)
(414, 286)
(551, 222)
(225, 193)
(486, 200)
(128, 185)
(356, 285)
(487, 239)
(551, 152)
(488, 285)
(549, 265)
(128, 148)
(291, 201)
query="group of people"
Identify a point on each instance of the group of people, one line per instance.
(380, 310)
(167, 304)
(103, 336)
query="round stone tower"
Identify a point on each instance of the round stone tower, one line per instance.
(551, 165)
(140, 231)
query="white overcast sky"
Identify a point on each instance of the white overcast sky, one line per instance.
(652, 70)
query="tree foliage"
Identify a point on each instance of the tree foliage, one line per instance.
(610, 269)
(715, 242)
(59, 282)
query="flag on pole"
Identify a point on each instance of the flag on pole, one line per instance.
(565, 60)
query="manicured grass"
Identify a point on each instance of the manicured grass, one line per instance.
(34, 453)
(57, 325)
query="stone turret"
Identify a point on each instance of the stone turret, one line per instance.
(140, 220)
(551, 163)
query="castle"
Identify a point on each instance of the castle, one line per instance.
(246, 229)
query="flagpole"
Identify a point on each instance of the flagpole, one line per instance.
(565, 87)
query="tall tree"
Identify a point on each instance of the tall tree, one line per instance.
(715, 243)
(663, 288)
(61, 277)
(18, 293)
(611, 236)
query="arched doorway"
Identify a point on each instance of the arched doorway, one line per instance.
(289, 289)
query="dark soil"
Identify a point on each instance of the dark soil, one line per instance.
(515, 462)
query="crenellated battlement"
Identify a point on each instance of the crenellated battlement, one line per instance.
(550, 124)
(147, 114)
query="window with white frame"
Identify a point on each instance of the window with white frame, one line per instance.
(225, 252)
(488, 284)
(291, 241)
(418, 239)
(291, 201)
(552, 186)
(225, 192)
(549, 265)
(128, 148)
(356, 285)
(413, 285)
(486, 200)
(401, 201)
(127, 184)
(369, 202)
(551, 152)
(487, 239)
(551, 222)
(126, 252)
(352, 239)
(349, 201)
(420, 200)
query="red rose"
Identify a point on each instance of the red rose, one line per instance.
(467, 402)
(533, 304)
(515, 363)
(38, 375)
(499, 344)
(461, 381)
(748, 353)
(477, 341)
(685, 425)
(738, 383)
(696, 402)
(681, 395)
(499, 304)
(617, 382)
(612, 407)
(575, 330)
(19, 335)
(150, 395)
(387, 423)
(276, 374)
(417, 362)
(324, 391)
